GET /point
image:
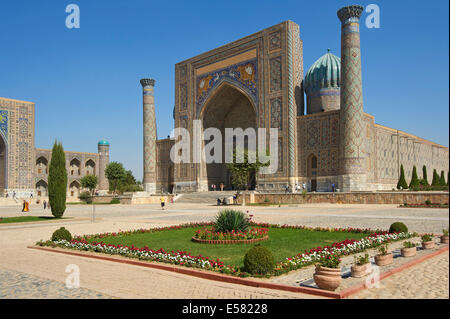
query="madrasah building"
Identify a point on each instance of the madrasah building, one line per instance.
(259, 82)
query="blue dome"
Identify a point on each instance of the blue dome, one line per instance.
(103, 142)
(324, 73)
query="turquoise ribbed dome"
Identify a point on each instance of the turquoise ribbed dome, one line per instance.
(103, 142)
(324, 73)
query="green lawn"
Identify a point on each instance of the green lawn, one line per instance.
(23, 219)
(282, 243)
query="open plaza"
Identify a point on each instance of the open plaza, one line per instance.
(274, 184)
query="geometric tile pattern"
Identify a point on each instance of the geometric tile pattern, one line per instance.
(351, 104)
(149, 133)
(244, 75)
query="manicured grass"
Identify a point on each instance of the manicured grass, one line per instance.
(23, 219)
(282, 243)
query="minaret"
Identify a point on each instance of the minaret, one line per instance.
(103, 161)
(352, 131)
(149, 136)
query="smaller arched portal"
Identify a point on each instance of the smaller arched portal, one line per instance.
(75, 167)
(41, 188)
(42, 165)
(3, 165)
(90, 167)
(74, 188)
(312, 171)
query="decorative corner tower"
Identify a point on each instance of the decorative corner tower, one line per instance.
(103, 161)
(352, 157)
(149, 136)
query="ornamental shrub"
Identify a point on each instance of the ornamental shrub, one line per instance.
(259, 260)
(85, 197)
(229, 219)
(115, 201)
(436, 179)
(402, 181)
(61, 234)
(57, 181)
(398, 227)
(424, 180)
(414, 179)
(442, 179)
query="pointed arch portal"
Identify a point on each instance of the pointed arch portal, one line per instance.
(227, 107)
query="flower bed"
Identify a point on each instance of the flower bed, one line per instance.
(432, 205)
(208, 235)
(179, 257)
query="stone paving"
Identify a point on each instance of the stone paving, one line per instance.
(427, 280)
(127, 281)
(15, 284)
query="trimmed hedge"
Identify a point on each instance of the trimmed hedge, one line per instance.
(61, 234)
(398, 227)
(259, 260)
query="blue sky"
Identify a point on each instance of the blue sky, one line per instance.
(85, 82)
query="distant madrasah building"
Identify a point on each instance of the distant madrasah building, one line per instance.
(258, 82)
(24, 168)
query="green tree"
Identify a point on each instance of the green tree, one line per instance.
(115, 174)
(402, 181)
(424, 180)
(436, 179)
(242, 172)
(90, 182)
(414, 179)
(57, 181)
(442, 179)
(448, 177)
(129, 184)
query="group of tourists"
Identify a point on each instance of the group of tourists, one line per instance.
(213, 187)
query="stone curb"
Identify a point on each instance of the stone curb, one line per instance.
(229, 241)
(247, 282)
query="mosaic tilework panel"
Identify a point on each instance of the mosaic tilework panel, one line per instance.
(275, 40)
(4, 123)
(275, 74)
(23, 128)
(183, 96)
(276, 116)
(244, 75)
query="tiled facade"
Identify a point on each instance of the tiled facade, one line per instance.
(24, 168)
(262, 76)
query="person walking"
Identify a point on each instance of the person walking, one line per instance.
(23, 206)
(45, 204)
(163, 202)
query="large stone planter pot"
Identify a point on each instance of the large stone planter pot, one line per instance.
(444, 239)
(428, 244)
(359, 271)
(327, 278)
(383, 260)
(409, 252)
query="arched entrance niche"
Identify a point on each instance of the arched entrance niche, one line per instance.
(41, 188)
(227, 107)
(74, 189)
(312, 171)
(3, 165)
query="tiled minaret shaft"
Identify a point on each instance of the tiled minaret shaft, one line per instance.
(103, 151)
(351, 114)
(149, 135)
